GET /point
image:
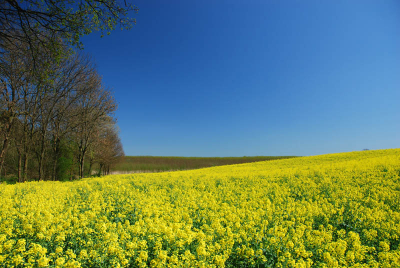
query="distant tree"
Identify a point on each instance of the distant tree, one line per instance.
(108, 151)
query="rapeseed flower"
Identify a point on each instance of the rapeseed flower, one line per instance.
(339, 210)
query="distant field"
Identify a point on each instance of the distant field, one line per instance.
(168, 163)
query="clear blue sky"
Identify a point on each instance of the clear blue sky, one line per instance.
(235, 78)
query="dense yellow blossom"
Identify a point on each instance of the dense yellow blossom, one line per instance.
(338, 210)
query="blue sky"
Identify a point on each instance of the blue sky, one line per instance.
(235, 78)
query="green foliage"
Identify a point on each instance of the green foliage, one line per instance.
(10, 179)
(63, 166)
(45, 26)
(65, 163)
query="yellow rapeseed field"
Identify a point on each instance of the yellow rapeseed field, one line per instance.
(338, 210)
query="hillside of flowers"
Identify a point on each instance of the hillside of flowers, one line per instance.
(338, 210)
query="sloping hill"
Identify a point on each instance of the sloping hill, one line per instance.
(339, 210)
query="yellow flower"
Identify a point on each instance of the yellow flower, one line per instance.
(43, 262)
(60, 261)
(17, 259)
(295, 209)
(384, 246)
(83, 254)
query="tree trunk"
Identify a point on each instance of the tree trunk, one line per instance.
(5, 143)
(90, 166)
(8, 125)
(20, 167)
(101, 167)
(41, 154)
(40, 160)
(40, 168)
(26, 158)
(55, 151)
(3, 153)
(82, 153)
(54, 169)
(81, 165)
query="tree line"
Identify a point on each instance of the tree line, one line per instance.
(57, 119)
(58, 125)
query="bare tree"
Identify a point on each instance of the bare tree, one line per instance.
(77, 78)
(38, 113)
(94, 109)
(109, 149)
(13, 76)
